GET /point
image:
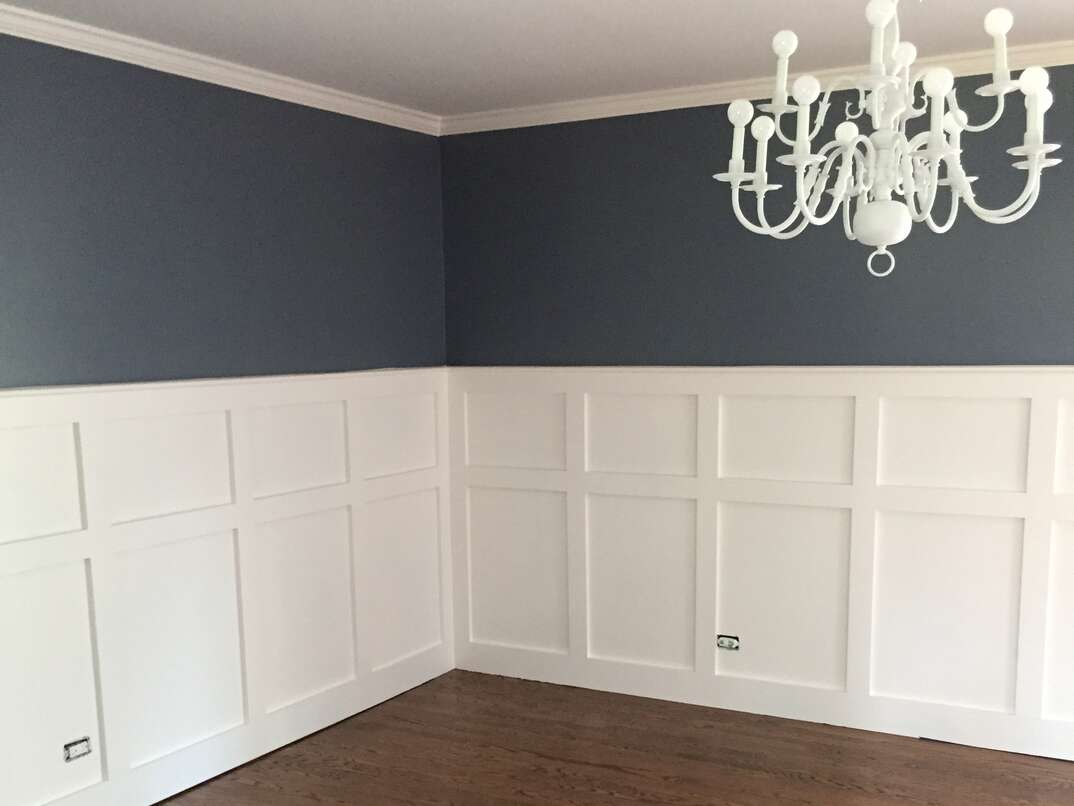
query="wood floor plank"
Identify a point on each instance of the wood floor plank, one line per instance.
(468, 739)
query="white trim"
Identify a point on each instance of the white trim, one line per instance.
(72, 35)
(120, 47)
(636, 103)
(67, 542)
(892, 461)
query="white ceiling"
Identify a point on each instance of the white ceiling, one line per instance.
(451, 57)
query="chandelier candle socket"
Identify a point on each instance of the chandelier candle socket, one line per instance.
(885, 181)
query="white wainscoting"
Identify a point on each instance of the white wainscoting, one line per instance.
(193, 574)
(894, 548)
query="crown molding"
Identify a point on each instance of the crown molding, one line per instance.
(962, 64)
(120, 47)
(132, 50)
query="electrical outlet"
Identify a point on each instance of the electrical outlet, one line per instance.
(729, 642)
(77, 749)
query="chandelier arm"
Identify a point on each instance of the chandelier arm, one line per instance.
(825, 103)
(837, 202)
(814, 172)
(848, 227)
(822, 114)
(908, 184)
(911, 110)
(788, 222)
(860, 103)
(1014, 210)
(1032, 184)
(952, 214)
(787, 141)
(794, 233)
(809, 205)
(866, 162)
(916, 142)
(1005, 219)
(840, 189)
(736, 205)
(978, 127)
(930, 200)
(900, 150)
(861, 168)
(822, 110)
(911, 193)
(920, 206)
(910, 198)
(908, 100)
(893, 37)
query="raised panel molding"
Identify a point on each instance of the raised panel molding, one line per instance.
(175, 628)
(641, 564)
(523, 431)
(654, 434)
(398, 434)
(962, 443)
(298, 447)
(47, 685)
(166, 464)
(399, 566)
(518, 577)
(787, 438)
(40, 482)
(782, 588)
(300, 578)
(1064, 470)
(1059, 662)
(946, 609)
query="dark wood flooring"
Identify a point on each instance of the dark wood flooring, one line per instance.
(478, 740)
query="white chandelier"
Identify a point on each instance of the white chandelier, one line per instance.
(868, 172)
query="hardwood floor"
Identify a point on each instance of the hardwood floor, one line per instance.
(478, 740)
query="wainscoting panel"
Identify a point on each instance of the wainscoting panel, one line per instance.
(48, 684)
(1064, 477)
(1059, 682)
(891, 548)
(398, 433)
(520, 431)
(642, 434)
(298, 447)
(640, 558)
(947, 586)
(399, 557)
(940, 442)
(195, 573)
(176, 629)
(519, 572)
(40, 482)
(164, 465)
(299, 581)
(783, 577)
(787, 438)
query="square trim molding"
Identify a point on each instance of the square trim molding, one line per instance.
(72, 35)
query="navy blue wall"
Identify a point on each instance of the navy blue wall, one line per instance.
(607, 242)
(153, 227)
